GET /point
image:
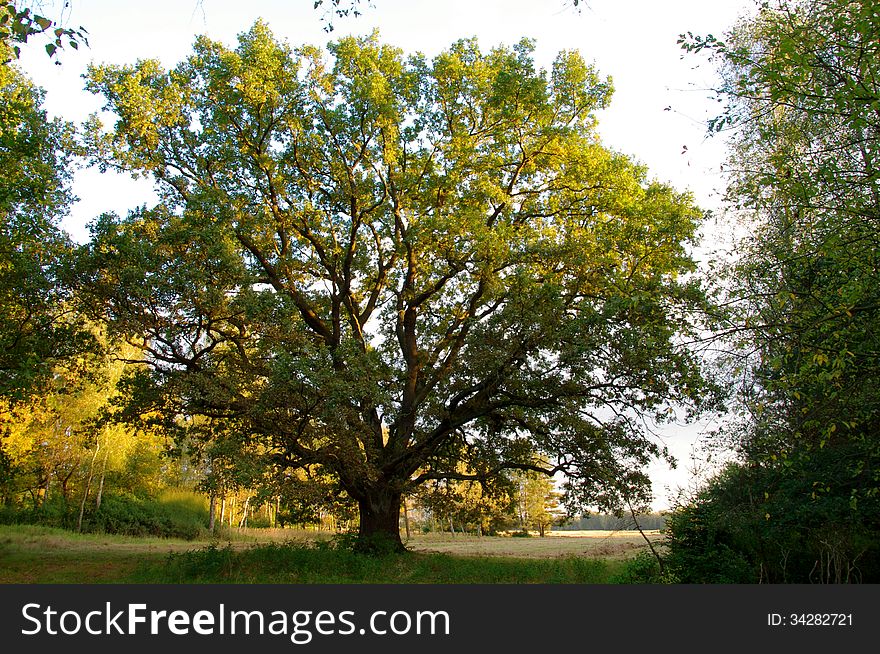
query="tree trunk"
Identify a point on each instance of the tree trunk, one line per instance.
(212, 512)
(82, 505)
(101, 484)
(244, 516)
(380, 522)
(405, 518)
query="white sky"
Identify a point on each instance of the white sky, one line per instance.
(633, 41)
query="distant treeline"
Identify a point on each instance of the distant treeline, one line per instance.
(614, 523)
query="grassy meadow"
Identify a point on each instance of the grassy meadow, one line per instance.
(34, 554)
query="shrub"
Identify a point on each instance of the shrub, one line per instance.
(175, 514)
(806, 519)
(643, 568)
(54, 512)
(171, 517)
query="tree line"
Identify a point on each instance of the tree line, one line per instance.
(610, 522)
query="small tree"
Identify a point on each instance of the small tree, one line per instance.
(536, 502)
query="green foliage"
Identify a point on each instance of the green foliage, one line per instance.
(37, 327)
(53, 513)
(18, 24)
(643, 568)
(180, 517)
(706, 539)
(138, 517)
(801, 85)
(799, 522)
(800, 81)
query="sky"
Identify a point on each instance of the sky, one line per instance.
(657, 115)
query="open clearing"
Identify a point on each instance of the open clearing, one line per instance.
(30, 554)
(594, 543)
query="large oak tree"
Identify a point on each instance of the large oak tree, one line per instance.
(393, 269)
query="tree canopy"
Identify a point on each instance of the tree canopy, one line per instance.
(392, 269)
(37, 329)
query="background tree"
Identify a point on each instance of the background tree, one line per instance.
(387, 267)
(51, 438)
(38, 328)
(800, 82)
(467, 505)
(536, 502)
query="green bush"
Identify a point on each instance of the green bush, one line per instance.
(803, 519)
(704, 548)
(169, 518)
(175, 514)
(643, 568)
(53, 513)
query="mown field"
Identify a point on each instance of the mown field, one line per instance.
(30, 554)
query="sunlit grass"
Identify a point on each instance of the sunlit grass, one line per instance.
(297, 563)
(34, 554)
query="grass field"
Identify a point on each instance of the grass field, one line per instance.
(594, 544)
(30, 554)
